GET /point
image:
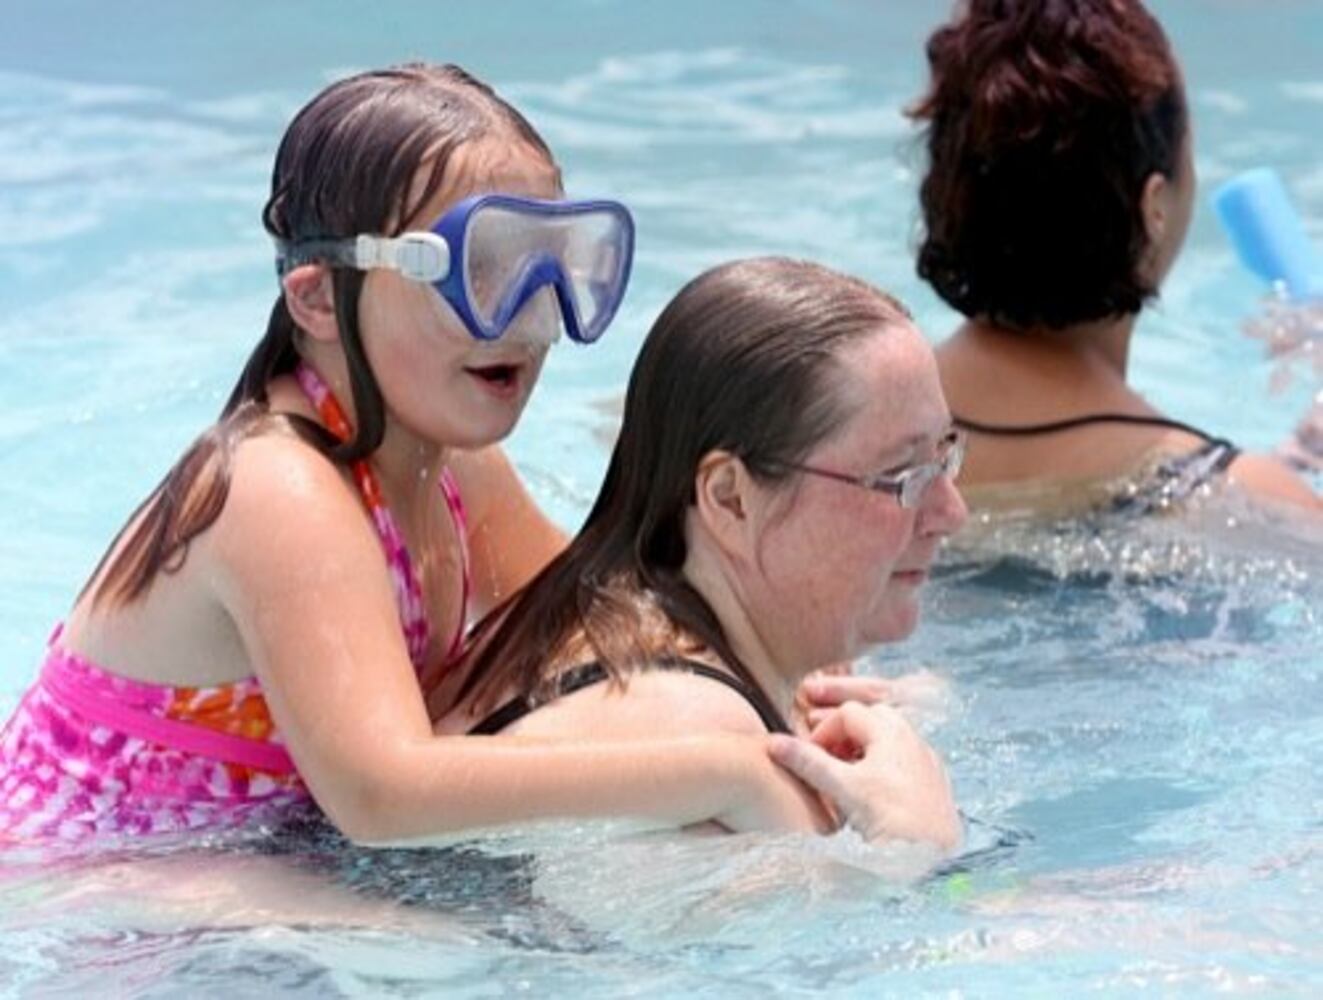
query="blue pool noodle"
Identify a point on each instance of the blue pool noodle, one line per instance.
(1268, 233)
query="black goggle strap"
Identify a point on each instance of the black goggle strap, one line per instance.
(295, 253)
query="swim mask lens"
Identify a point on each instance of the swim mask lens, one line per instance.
(490, 254)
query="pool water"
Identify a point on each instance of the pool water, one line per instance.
(1134, 716)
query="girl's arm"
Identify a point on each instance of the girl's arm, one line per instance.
(510, 538)
(299, 570)
(891, 785)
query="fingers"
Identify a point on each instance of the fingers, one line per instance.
(922, 691)
(862, 725)
(826, 726)
(811, 764)
(829, 690)
(892, 787)
(829, 737)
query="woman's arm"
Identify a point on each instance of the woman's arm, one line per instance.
(1266, 478)
(1303, 450)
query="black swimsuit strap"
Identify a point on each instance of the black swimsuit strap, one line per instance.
(772, 719)
(587, 674)
(1054, 426)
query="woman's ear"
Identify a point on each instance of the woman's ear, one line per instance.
(310, 301)
(722, 497)
(1154, 205)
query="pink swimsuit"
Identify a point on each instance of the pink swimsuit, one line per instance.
(88, 751)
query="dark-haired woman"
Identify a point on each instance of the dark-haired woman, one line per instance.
(782, 481)
(1058, 192)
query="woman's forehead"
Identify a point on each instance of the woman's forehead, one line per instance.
(893, 361)
(890, 385)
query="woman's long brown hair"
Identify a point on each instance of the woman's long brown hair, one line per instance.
(741, 360)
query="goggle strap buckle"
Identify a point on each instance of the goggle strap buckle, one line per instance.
(421, 257)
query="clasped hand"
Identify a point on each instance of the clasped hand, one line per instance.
(863, 754)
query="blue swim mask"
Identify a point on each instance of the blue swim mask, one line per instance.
(491, 253)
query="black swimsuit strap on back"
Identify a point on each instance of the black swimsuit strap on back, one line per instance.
(1175, 479)
(588, 674)
(1052, 427)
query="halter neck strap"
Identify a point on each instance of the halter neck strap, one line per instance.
(408, 589)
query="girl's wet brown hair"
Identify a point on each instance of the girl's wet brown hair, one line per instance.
(1044, 119)
(348, 164)
(745, 360)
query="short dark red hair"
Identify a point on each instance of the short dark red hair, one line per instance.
(1044, 119)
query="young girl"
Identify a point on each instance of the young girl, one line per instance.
(260, 632)
(1059, 188)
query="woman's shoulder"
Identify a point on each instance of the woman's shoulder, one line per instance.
(701, 695)
(1193, 459)
(655, 702)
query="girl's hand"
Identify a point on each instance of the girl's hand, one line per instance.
(886, 782)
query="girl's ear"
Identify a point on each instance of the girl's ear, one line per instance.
(310, 301)
(722, 497)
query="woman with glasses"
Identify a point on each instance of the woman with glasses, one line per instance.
(782, 481)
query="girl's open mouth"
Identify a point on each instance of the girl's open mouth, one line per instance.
(503, 379)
